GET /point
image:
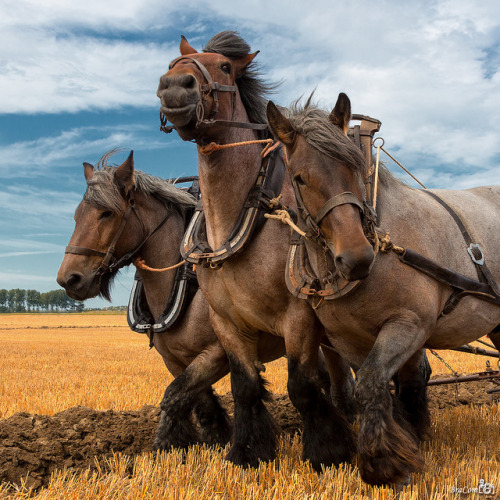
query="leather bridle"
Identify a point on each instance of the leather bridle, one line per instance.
(368, 214)
(109, 262)
(206, 89)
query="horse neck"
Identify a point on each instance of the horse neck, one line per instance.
(226, 177)
(161, 250)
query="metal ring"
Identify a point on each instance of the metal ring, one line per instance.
(378, 139)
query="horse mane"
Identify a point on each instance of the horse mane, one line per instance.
(103, 192)
(253, 89)
(320, 133)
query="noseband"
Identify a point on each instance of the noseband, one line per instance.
(206, 89)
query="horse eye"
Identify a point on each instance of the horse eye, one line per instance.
(105, 215)
(299, 180)
(226, 67)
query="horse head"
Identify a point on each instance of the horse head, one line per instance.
(200, 89)
(326, 170)
(104, 232)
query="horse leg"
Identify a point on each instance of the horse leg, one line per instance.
(388, 452)
(412, 392)
(215, 427)
(254, 429)
(327, 438)
(176, 428)
(341, 383)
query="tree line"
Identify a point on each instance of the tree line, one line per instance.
(19, 300)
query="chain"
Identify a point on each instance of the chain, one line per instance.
(455, 374)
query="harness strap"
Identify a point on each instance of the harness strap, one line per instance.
(229, 123)
(447, 276)
(474, 250)
(89, 252)
(340, 199)
(195, 248)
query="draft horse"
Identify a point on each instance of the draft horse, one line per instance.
(431, 284)
(125, 214)
(217, 97)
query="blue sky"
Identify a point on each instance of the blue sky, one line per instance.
(79, 78)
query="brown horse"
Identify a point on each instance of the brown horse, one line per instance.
(153, 230)
(396, 309)
(216, 96)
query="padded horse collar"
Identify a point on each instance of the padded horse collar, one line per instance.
(210, 87)
(194, 246)
(139, 316)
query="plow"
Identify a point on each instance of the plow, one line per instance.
(489, 373)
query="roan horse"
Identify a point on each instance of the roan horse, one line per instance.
(396, 309)
(216, 96)
(153, 230)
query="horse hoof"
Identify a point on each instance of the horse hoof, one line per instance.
(242, 457)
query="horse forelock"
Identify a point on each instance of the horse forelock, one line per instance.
(102, 191)
(320, 133)
(252, 87)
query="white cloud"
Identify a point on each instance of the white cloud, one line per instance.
(19, 254)
(37, 203)
(15, 280)
(47, 73)
(427, 70)
(22, 158)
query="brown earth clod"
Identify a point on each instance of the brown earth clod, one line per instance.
(34, 446)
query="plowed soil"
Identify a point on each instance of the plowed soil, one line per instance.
(33, 446)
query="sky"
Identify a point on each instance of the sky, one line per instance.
(78, 79)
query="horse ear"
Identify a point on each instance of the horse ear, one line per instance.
(185, 48)
(341, 113)
(88, 170)
(280, 125)
(124, 175)
(241, 64)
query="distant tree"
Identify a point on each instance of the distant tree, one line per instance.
(4, 300)
(32, 299)
(11, 300)
(79, 306)
(20, 300)
(44, 301)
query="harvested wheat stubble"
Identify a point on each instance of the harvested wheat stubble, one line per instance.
(34, 446)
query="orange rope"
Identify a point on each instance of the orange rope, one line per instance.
(210, 148)
(141, 264)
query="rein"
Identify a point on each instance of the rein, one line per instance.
(210, 88)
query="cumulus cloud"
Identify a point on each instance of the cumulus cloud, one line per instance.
(429, 71)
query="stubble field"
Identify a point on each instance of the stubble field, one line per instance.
(52, 363)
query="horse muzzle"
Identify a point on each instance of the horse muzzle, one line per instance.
(354, 264)
(77, 285)
(179, 96)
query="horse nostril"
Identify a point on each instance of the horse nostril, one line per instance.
(187, 81)
(192, 83)
(73, 280)
(339, 262)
